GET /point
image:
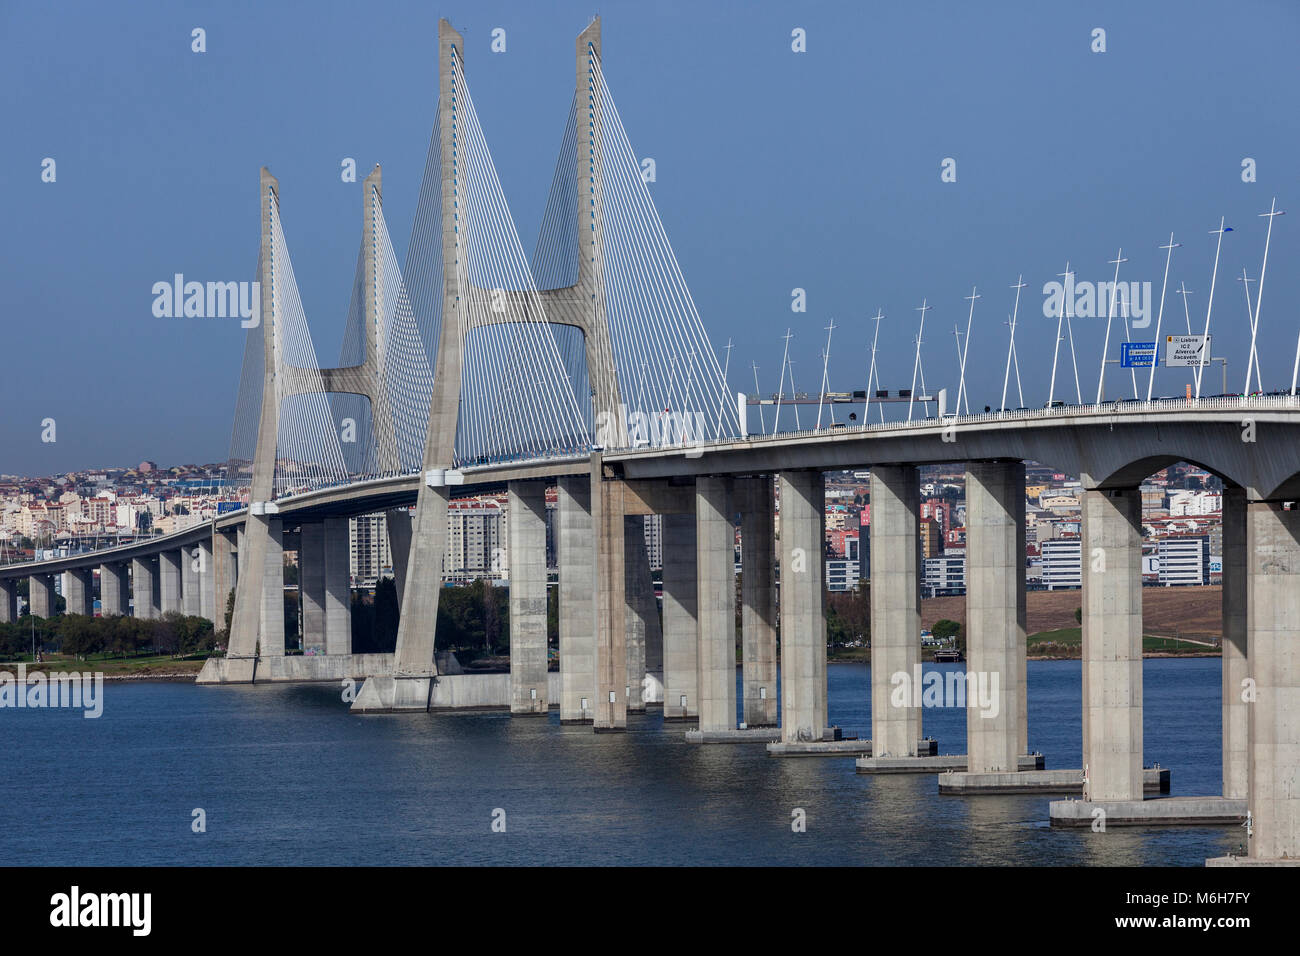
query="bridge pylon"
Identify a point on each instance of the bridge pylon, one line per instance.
(257, 624)
(580, 305)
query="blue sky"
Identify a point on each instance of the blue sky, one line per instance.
(775, 170)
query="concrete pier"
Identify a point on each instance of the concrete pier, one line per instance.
(311, 585)
(575, 551)
(192, 559)
(803, 618)
(208, 606)
(40, 590)
(270, 641)
(715, 576)
(1236, 668)
(1112, 643)
(1273, 616)
(758, 601)
(8, 600)
(336, 549)
(995, 614)
(640, 615)
(114, 591)
(611, 633)
(169, 582)
(681, 652)
(144, 587)
(895, 606)
(224, 575)
(527, 534)
(79, 591)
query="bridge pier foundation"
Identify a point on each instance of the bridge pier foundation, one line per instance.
(79, 591)
(8, 601)
(144, 588)
(715, 557)
(114, 595)
(758, 602)
(681, 651)
(803, 617)
(169, 582)
(995, 616)
(1111, 531)
(528, 657)
(41, 595)
(575, 548)
(895, 608)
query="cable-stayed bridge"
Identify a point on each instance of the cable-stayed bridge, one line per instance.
(470, 367)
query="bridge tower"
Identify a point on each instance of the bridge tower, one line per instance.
(581, 305)
(257, 625)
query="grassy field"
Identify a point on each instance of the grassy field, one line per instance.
(161, 665)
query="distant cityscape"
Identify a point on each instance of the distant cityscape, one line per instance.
(77, 512)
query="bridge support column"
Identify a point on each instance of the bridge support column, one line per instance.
(79, 591)
(224, 573)
(207, 581)
(803, 617)
(681, 651)
(895, 607)
(611, 633)
(113, 591)
(641, 616)
(169, 582)
(716, 601)
(8, 600)
(40, 590)
(575, 547)
(144, 587)
(758, 601)
(1111, 532)
(337, 552)
(1236, 668)
(270, 640)
(192, 560)
(311, 585)
(995, 615)
(527, 521)
(1273, 610)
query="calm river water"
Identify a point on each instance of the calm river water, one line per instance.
(285, 775)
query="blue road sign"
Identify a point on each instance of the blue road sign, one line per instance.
(1137, 354)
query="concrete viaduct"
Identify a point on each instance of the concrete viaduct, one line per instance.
(613, 651)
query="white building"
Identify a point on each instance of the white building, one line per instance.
(1184, 560)
(944, 574)
(1062, 566)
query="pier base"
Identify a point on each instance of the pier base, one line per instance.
(937, 764)
(1154, 780)
(1167, 811)
(836, 748)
